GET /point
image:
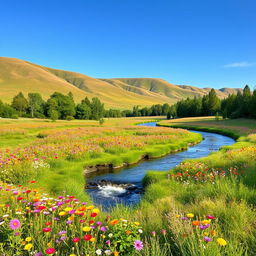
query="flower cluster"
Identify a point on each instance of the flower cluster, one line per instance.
(32, 223)
(200, 173)
(203, 229)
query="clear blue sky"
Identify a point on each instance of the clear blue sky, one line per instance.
(206, 43)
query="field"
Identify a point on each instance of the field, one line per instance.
(202, 207)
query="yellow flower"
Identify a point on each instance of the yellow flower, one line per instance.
(28, 239)
(221, 241)
(72, 254)
(67, 209)
(190, 215)
(116, 253)
(92, 239)
(204, 222)
(178, 216)
(137, 223)
(86, 229)
(28, 247)
(62, 213)
(96, 210)
(90, 207)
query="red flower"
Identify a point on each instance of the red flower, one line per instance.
(76, 239)
(87, 237)
(91, 221)
(48, 223)
(50, 251)
(47, 229)
(94, 214)
(19, 198)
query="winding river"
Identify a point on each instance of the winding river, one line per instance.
(109, 194)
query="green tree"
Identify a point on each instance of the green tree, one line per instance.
(20, 103)
(83, 111)
(35, 103)
(97, 109)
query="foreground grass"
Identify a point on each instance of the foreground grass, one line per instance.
(220, 185)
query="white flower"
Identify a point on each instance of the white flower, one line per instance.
(140, 231)
(108, 252)
(98, 252)
(110, 235)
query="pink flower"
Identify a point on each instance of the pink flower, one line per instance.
(210, 217)
(14, 224)
(138, 245)
(50, 251)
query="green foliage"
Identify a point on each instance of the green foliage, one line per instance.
(35, 104)
(20, 103)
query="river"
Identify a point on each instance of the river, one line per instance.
(110, 194)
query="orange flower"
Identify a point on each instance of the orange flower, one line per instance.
(116, 253)
(128, 232)
(113, 222)
(196, 223)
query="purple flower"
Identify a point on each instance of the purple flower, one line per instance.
(204, 226)
(108, 242)
(38, 254)
(184, 218)
(138, 245)
(98, 223)
(62, 232)
(69, 221)
(103, 229)
(14, 224)
(207, 239)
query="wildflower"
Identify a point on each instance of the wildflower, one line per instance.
(153, 233)
(116, 253)
(163, 231)
(221, 241)
(195, 223)
(140, 231)
(87, 237)
(50, 251)
(210, 217)
(62, 213)
(28, 239)
(14, 224)
(86, 229)
(94, 214)
(103, 229)
(113, 222)
(138, 245)
(76, 239)
(108, 242)
(47, 229)
(28, 247)
(107, 252)
(190, 215)
(207, 239)
(204, 226)
(98, 252)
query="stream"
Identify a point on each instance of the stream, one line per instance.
(124, 186)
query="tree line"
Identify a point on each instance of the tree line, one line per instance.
(60, 106)
(241, 104)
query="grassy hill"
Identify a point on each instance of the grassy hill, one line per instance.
(19, 75)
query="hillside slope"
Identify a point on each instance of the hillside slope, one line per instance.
(19, 75)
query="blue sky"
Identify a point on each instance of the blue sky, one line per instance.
(205, 43)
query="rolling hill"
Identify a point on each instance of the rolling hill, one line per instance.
(18, 75)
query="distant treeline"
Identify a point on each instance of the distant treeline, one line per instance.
(60, 106)
(242, 104)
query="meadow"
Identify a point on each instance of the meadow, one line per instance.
(202, 207)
